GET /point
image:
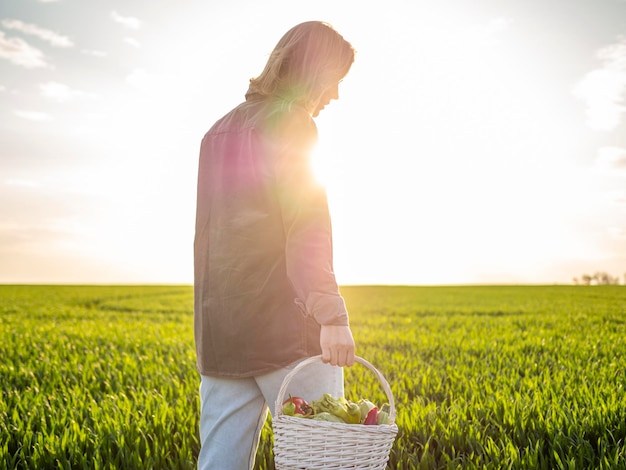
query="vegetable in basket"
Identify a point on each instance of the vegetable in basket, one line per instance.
(383, 414)
(365, 406)
(349, 412)
(289, 408)
(372, 416)
(297, 406)
(338, 410)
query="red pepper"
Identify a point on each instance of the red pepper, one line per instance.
(372, 416)
(302, 407)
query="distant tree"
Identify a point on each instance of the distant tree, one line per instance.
(603, 278)
(598, 278)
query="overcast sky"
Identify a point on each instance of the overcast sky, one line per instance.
(474, 141)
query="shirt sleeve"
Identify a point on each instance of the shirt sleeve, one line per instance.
(307, 226)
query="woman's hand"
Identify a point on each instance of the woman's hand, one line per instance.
(337, 345)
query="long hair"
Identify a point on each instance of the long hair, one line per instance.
(306, 60)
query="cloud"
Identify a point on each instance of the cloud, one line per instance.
(127, 21)
(133, 42)
(55, 39)
(94, 53)
(59, 92)
(604, 89)
(611, 158)
(21, 53)
(56, 91)
(32, 115)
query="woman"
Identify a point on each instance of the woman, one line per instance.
(265, 292)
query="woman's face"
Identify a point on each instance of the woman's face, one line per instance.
(330, 93)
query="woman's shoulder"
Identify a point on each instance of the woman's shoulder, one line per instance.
(289, 119)
(278, 119)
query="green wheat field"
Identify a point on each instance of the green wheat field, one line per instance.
(484, 377)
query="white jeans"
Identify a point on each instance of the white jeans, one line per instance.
(233, 411)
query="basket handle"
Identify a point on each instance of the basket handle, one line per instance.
(311, 360)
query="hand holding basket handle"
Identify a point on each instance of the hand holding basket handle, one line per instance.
(337, 345)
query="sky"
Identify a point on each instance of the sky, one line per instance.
(474, 141)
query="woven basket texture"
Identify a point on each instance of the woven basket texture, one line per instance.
(301, 443)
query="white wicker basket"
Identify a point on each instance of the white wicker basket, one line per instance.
(301, 443)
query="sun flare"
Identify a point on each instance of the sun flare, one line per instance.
(325, 168)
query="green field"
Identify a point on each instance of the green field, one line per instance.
(103, 377)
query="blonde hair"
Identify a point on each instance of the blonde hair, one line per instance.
(309, 58)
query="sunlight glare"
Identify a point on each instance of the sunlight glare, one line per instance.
(324, 166)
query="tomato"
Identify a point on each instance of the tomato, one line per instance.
(302, 407)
